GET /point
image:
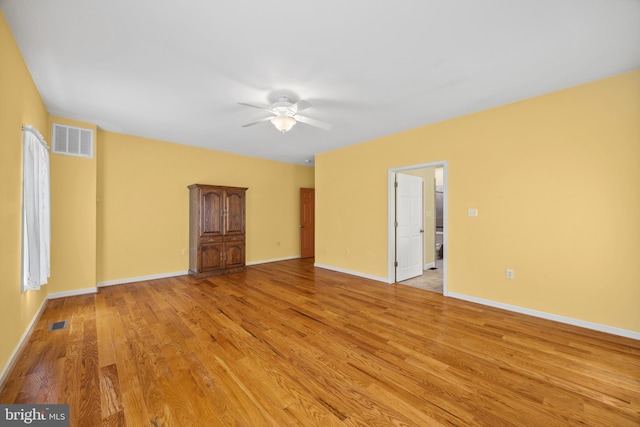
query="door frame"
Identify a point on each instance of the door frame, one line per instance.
(391, 216)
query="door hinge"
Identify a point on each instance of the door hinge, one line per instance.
(395, 264)
(395, 184)
(395, 224)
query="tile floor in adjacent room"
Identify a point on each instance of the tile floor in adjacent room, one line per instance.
(431, 280)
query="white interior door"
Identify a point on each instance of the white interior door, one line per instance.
(409, 228)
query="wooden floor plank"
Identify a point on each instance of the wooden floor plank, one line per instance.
(289, 344)
(90, 401)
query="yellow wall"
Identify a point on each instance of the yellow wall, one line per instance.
(73, 218)
(20, 104)
(143, 209)
(555, 181)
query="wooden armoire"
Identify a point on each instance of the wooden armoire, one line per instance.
(216, 230)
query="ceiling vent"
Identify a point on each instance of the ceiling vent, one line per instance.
(72, 141)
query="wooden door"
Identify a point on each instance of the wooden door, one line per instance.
(234, 254)
(211, 204)
(234, 211)
(211, 257)
(307, 222)
(409, 227)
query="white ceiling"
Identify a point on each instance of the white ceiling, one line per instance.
(175, 71)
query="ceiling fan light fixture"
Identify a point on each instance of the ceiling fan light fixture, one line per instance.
(283, 123)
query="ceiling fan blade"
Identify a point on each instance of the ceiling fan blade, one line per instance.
(256, 106)
(258, 121)
(313, 122)
(300, 105)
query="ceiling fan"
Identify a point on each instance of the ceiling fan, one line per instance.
(285, 115)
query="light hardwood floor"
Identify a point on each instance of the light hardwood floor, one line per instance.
(287, 344)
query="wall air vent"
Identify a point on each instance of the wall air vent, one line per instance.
(72, 141)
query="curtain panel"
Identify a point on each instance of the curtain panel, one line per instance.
(36, 210)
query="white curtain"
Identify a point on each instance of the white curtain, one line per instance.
(36, 210)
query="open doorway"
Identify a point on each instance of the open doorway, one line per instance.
(434, 226)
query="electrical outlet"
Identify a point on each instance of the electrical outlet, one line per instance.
(184, 251)
(278, 243)
(509, 274)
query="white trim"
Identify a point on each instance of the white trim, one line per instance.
(549, 316)
(391, 218)
(428, 266)
(353, 273)
(142, 278)
(72, 293)
(12, 358)
(264, 261)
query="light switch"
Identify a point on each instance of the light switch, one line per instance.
(473, 212)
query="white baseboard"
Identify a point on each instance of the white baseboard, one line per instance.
(264, 261)
(353, 273)
(550, 316)
(72, 293)
(16, 350)
(428, 266)
(177, 273)
(142, 278)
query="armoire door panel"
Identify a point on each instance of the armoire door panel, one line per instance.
(234, 252)
(211, 257)
(234, 213)
(212, 213)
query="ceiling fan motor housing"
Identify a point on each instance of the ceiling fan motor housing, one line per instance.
(285, 114)
(282, 107)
